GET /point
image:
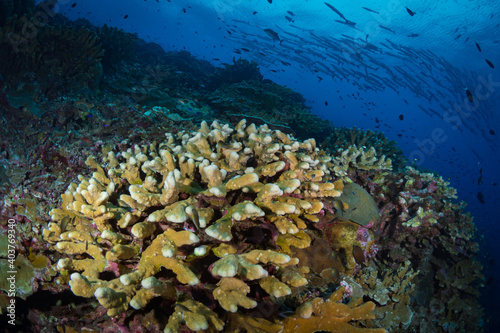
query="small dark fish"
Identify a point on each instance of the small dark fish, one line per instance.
(370, 10)
(405, 101)
(480, 197)
(65, 222)
(326, 103)
(319, 78)
(210, 286)
(86, 245)
(478, 47)
(401, 117)
(291, 13)
(492, 132)
(182, 307)
(270, 1)
(348, 23)
(411, 12)
(254, 13)
(229, 32)
(196, 219)
(183, 10)
(245, 49)
(335, 10)
(125, 17)
(413, 35)
(237, 51)
(216, 59)
(469, 95)
(394, 32)
(273, 34)
(73, 5)
(289, 19)
(339, 205)
(490, 63)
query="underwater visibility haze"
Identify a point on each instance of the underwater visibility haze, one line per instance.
(249, 166)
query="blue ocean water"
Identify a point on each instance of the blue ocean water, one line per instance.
(400, 67)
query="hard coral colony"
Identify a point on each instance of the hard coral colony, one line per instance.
(221, 207)
(246, 229)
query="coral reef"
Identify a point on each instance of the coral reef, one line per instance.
(343, 137)
(12, 7)
(191, 205)
(331, 315)
(60, 57)
(240, 70)
(354, 158)
(220, 228)
(420, 224)
(118, 46)
(265, 102)
(226, 224)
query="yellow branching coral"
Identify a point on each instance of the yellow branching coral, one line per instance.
(274, 287)
(330, 316)
(231, 293)
(233, 202)
(295, 276)
(90, 267)
(195, 315)
(238, 322)
(151, 288)
(160, 254)
(221, 229)
(112, 295)
(359, 158)
(300, 240)
(247, 264)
